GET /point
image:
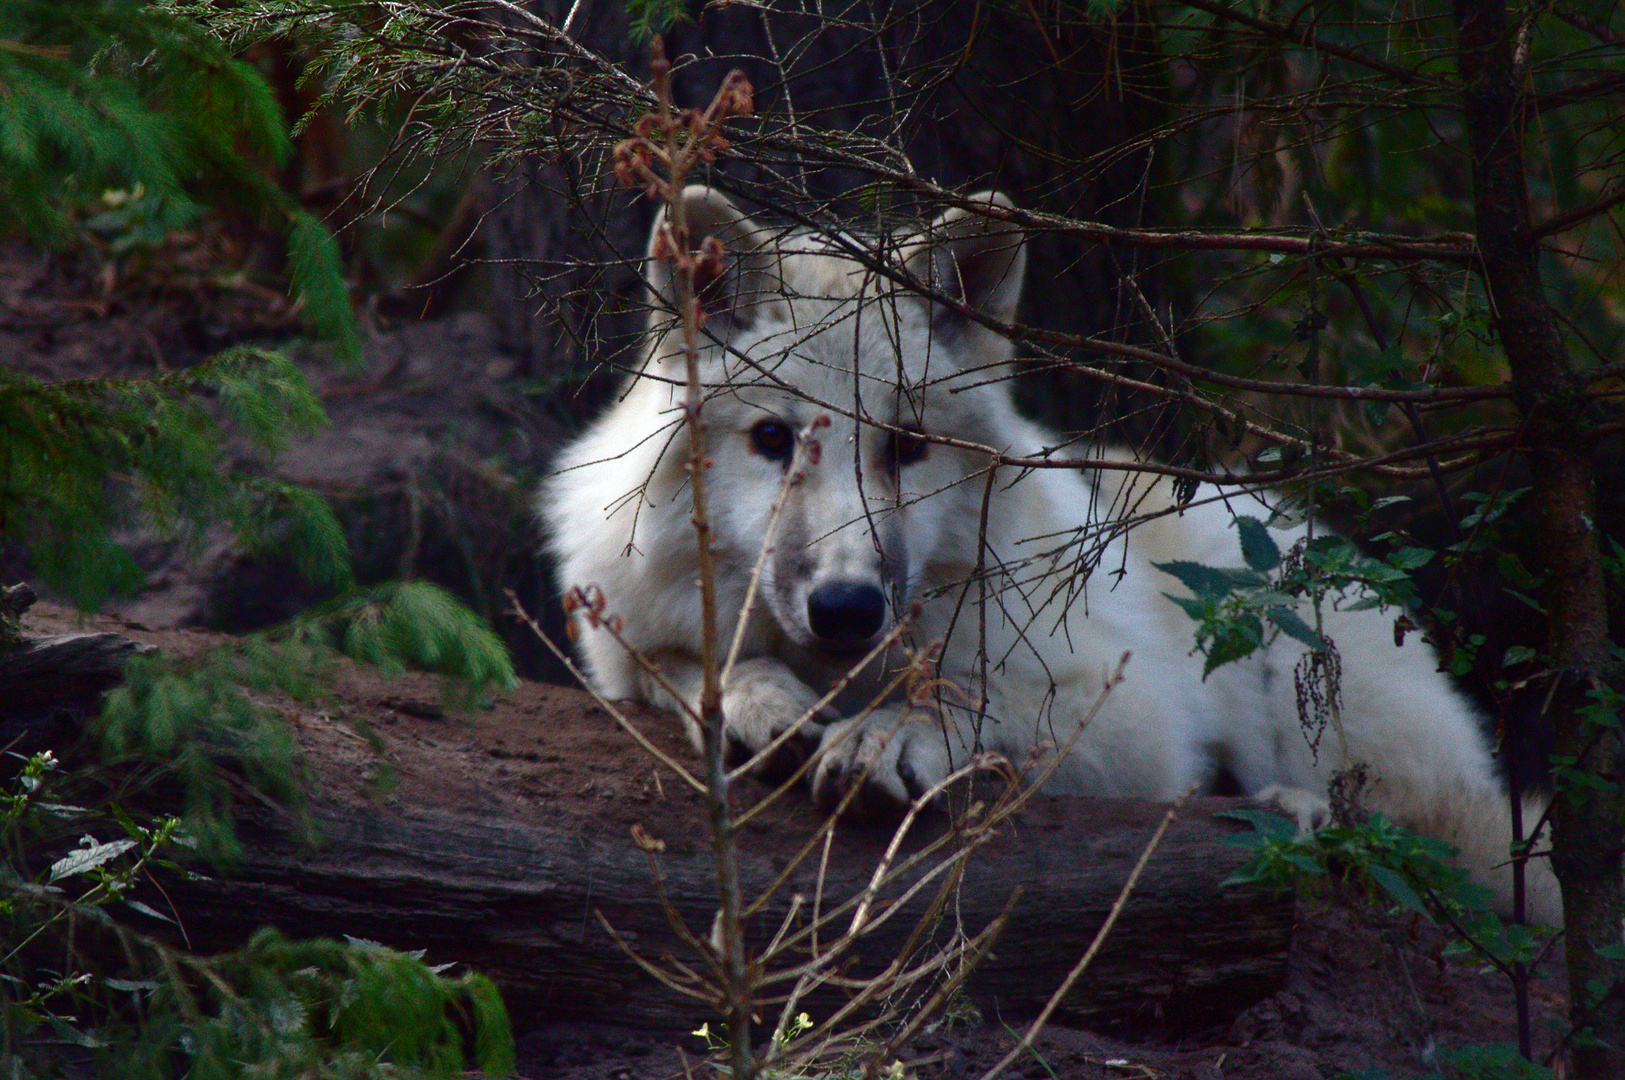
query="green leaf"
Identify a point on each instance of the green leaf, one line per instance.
(1304, 862)
(1198, 609)
(1233, 639)
(88, 858)
(1409, 558)
(1266, 822)
(149, 911)
(1258, 548)
(1395, 885)
(1293, 627)
(318, 281)
(1212, 581)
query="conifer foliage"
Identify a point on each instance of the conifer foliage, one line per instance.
(114, 94)
(83, 457)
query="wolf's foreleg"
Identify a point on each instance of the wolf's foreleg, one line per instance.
(761, 700)
(897, 753)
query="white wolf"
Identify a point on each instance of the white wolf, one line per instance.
(901, 511)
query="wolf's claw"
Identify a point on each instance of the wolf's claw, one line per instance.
(899, 762)
(785, 758)
(873, 801)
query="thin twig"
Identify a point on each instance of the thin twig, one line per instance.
(1082, 965)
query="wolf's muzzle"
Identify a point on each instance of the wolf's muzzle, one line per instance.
(845, 614)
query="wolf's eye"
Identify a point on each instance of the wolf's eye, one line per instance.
(907, 447)
(773, 439)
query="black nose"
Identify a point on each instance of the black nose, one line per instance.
(844, 613)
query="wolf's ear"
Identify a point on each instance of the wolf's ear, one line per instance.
(750, 278)
(977, 260)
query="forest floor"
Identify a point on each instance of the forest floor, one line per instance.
(1366, 994)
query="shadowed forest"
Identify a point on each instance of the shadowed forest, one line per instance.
(298, 304)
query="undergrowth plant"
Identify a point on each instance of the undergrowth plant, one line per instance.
(1368, 856)
(80, 984)
(107, 94)
(82, 459)
(202, 722)
(101, 94)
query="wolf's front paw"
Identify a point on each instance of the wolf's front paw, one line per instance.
(762, 701)
(1310, 808)
(891, 760)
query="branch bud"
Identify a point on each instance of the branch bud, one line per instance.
(737, 96)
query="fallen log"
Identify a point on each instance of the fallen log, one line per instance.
(505, 841)
(522, 890)
(50, 683)
(520, 900)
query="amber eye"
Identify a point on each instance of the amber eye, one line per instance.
(773, 439)
(908, 446)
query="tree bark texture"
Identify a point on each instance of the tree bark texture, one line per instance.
(1588, 823)
(498, 839)
(519, 900)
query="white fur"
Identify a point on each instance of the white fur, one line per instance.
(799, 331)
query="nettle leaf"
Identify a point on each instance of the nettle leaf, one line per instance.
(1197, 608)
(1288, 622)
(151, 912)
(1394, 884)
(1491, 506)
(1269, 824)
(1409, 558)
(1330, 547)
(1304, 862)
(1287, 514)
(1258, 547)
(1212, 581)
(1233, 639)
(88, 858)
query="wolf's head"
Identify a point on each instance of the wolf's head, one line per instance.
(830, 379)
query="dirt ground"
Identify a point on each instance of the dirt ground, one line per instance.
(1366, 995)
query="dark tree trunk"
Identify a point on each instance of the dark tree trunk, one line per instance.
(1587, 833)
